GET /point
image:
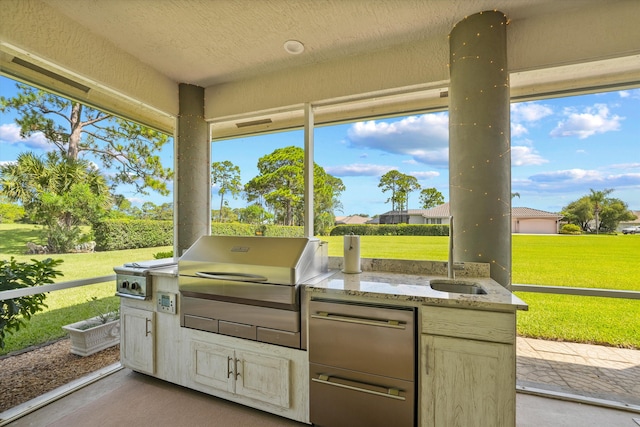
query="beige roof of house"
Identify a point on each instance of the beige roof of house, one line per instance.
(442, 211)
(518, 212)
(352, 219)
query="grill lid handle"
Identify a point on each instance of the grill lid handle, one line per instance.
(231, 276)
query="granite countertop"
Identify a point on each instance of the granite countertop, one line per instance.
(391, 286)
(399, 280)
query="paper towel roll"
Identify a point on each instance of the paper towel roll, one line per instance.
(351, 254)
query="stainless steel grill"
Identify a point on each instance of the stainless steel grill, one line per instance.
(249, 287)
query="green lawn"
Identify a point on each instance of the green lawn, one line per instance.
(69, 305)
(580, 261)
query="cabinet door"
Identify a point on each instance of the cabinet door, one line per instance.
(467, 383)
(137, 339)
(263, 378)
(213, 365)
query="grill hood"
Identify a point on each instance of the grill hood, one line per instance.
(272, 260)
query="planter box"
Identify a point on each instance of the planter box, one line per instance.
(86, 341)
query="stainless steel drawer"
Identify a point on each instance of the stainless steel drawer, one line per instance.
(237, 330)
(273, 336)
(342, 398)
(202, 323)
(374, 339)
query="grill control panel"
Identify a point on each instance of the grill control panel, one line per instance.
(166, 302)
(133, 286)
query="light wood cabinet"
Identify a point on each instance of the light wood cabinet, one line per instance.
(245, 373)
(137, 344)
(467, 362)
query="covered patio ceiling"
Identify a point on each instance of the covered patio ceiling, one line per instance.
(361, 58)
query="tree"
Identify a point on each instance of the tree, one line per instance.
(579, 212)
(226, 214)
(254, 214)
(612, 213)
(77, 131)
(280, 186)
(430, 198)
(59, 192)
(10, 212)
(607, 211)
(226, 176)
(400, 186)
(598, 198)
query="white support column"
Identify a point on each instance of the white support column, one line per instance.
(480, 143)
(308, 170)
(192, 189)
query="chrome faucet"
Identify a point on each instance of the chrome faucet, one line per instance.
(452, 266)
(450, 272)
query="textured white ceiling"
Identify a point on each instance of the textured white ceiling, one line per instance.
(208, 42)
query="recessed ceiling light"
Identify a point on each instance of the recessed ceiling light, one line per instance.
(294, 47)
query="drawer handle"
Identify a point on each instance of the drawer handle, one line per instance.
(392, 393)
(394, 324)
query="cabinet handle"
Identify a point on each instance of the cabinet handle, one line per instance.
(235, 368)
(147, 322)
(426, 358)
(391, 393)
(360, 321)
(229, 371)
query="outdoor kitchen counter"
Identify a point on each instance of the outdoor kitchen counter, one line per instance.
(165, 272)
(389, 286)
(410, 289)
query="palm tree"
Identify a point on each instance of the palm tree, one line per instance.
(59, 192)
(598, 198)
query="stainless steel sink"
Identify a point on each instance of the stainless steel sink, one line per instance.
(457, 287)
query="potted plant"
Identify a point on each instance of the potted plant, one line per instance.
(97, 333)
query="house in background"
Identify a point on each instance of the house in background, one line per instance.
(534, 221)
(523, 220)
(635, 222)
(351, 220)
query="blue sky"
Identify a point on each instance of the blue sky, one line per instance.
(560, 149)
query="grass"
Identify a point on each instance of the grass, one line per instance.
(68, 305)
(604, 261)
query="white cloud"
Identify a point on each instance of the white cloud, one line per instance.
(526, 156)
(633, 93)
(425, 175)
(626, 166)
(568, 175)
(591, 121)
(10, 133)
(529, 111)
(424, 138)
(518, 129)
(358, 169)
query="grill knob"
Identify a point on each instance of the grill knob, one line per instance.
(125, 284)
(135, 286)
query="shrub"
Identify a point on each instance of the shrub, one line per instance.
(17, 275)
(113, 235)
(391, 230)
(570, 229)
(241, 229)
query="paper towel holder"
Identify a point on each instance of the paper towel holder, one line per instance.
(351, 259)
